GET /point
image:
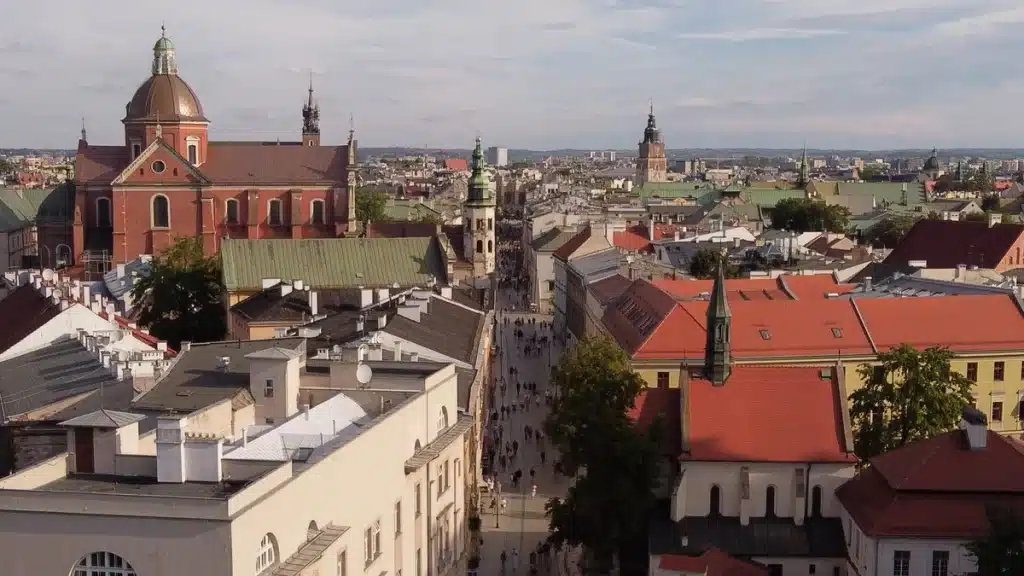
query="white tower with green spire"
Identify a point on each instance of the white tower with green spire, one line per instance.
(478, 214)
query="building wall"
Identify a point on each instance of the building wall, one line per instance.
(543, 276)
(874, 557)
(1014, 257)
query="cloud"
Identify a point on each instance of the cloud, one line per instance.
(534, 73)
(757, 34)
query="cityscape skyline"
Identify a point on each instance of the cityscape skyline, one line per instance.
(770, 73)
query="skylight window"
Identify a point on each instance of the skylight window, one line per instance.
(765, 334)
(837, 332)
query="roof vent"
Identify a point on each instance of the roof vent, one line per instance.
(975, 428)
(223, 363)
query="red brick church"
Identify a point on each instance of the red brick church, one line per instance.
(168, 179)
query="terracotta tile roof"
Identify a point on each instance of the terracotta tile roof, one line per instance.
(947, 244)
(713, 562)
(664, 231)
(945, 321)
(632, 239)
(636, 314)
(609, 288)
(663, 402)
(764, 329)
(456, 164)
(100, 164)
(256, 164)
(936, 488)
(767, 414)
(785, 287)
(567, 249)
(24, 311)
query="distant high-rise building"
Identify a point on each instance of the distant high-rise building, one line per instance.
(497, 156)
(651, 165)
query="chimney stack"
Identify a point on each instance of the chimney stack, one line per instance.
(975, 427)
(867, 283)
(314, 303)
(398, 351)
(994, 218)
(286, 289)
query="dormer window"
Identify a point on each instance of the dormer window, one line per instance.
(192, 149)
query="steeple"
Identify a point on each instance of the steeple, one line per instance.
(84, 138)
(311, 118)
(479, 190)
(719, 328)
(805, 170)
(164, 61)
(651, 134)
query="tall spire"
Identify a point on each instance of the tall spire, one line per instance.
(164, 60)
(84, 138)
(479, 189)
(651, 134)
(311, 113)
(309, 101)
(719, 327)
(805, 170)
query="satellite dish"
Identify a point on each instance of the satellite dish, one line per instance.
(363, 374)
(48, 275)
(57, 294)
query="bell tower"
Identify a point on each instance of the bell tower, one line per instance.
(719, 331)
(478, 214)
(651, 165)
(311, 119)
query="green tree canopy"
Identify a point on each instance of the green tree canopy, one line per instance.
(704, 264)
(909, 396)
(990, 202)
(1001, 552)
(614, 464)
(371, 205)
(806, 215)
(180, 300)
(890, 231)
(6, 166)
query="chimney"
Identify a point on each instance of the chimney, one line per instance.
(48, 292)
(297, 284)
(867, 283)
(186, 346)
(975, 427)
(382, 321)
(360, 325)
(269, 283)
(365, 297)
(994, 218)
(161, 346)
(675, 235)
(120, 270)
(961, 272)
(410, 311)
(286, 289)
(85, 295)
(650, 230)
(414, 356)
(314, 303)
(398, 350)
(736, 242)
(170, 449)
(223, 363)
(305, 410)
(446, 292)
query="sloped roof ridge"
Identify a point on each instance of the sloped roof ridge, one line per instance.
(863, 324)
(898, 483)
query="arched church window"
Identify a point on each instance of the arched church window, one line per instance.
(769, 502)
(479, 246)
(104, 217)
(274, 212)
(716, 500)
(231, 211)
(161, 212)
(103, 564)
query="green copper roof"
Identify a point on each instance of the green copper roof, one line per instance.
(479, 187)
(164, 43)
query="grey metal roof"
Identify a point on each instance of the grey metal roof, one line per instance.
(552, 239)
(432, 450)
(274, 353)
(901, 285)
(58, 371)
(119, 286)
(309, 552)
(598, 264)
(195, 379)
(103, 419)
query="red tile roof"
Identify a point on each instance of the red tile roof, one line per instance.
(609, 288)
(632, 239)
(456, 164)
(142, 335)
(945, 321)
(936, 488)
(947, 244)
(712, 562)
(767, 414)
(664, 231)
(663, 402)
(567, 249)
(100, 164)
(785, 287)
(763, 329)
(23, 312)
(636, 314)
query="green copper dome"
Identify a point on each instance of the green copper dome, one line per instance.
(479, 187)
(164, 43)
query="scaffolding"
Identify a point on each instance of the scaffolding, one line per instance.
(96, 263)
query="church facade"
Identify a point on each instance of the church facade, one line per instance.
(651, 164)
(167, 179)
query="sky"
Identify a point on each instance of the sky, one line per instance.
(538, 74)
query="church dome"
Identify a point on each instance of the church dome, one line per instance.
(165, 98)
(933, 161)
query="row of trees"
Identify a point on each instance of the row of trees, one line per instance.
(807, 215)
(908, 395)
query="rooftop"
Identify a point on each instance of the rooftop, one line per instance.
(144, 486)
(23, 311)
(784, 287)
(948, 243)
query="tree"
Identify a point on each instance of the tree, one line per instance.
(704, 264)
(804, 215)
(614, 464)
(909, 396)
(371, 205)
(1001, 552)
(890, 231)
(6, 166)
(870, 172)
(180, 300)
(990, 202)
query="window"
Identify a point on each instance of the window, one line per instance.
(1022, 370)
(267, 557)
(136, 150)
(769, 502)
(231, 211)
(419, 500)
(316, 212)
(836, 333)
(440, 480)
(458, 469)
(972, 371)
(161, 212)
(490, 223)
(419, 562)
(997, 411)
(999, 371)
(940, 563)
(398, 518)
(343, 563)
(104, 217)
(312, 530)
(193, 153)
(765, 335)
(901, 563)
(816, 502)
(159, 166)
(268, 389)
(490, 246)
(447, 477)
(479, 246)
(878, 373)
(103, 564)
(371, 543)
(442, 420)
(662, 379)
(716, 501)
(812, 569)
(274, 212)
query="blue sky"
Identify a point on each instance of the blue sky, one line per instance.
(538, 74)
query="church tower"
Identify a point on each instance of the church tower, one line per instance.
(804, 178)
(719, 331)
(478, 215)
(651, 165)
(311, 119)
